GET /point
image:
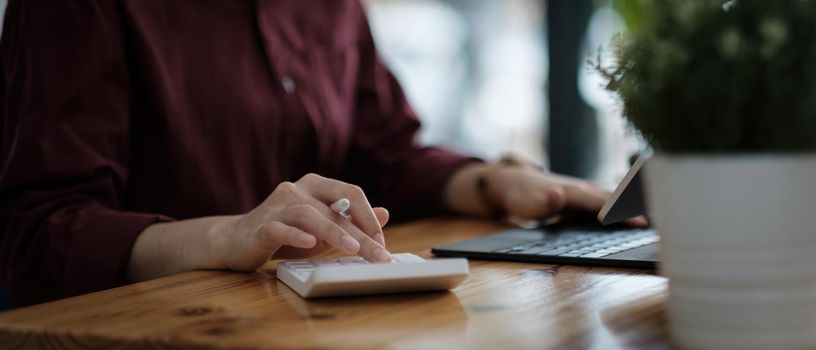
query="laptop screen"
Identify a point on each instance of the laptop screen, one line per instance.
(627, 201)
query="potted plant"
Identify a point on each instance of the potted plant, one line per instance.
(725, 92)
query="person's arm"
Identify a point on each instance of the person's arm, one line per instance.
(167, 248)
(65, 121)
(295, 215)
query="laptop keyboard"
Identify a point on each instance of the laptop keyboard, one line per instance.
(585, 245)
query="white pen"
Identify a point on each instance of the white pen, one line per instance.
(341, 206)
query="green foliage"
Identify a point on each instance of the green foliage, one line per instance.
(710, 76)
(631, 13)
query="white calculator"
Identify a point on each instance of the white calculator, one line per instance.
(352, 275)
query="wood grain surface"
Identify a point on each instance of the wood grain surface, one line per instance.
(501, 305)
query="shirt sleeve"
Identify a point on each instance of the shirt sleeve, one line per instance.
(395, 171)
(64, 150)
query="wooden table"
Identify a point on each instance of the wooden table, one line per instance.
(501, 305)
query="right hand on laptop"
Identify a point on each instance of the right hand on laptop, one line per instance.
(531, 194)
(525, 193)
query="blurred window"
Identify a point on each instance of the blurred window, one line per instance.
(2, 14)
(474, 70)
(476, 73)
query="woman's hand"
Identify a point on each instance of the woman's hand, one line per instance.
(294, 221)
(527, 193)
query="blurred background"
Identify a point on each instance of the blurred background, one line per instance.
(492, 76)
(3, 11)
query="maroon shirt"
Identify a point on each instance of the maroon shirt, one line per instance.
(119, 114)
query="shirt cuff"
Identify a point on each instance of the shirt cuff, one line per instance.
(100, 251)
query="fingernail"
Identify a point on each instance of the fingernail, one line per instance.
(380, 238)
(349, 244)
(306, 239)
(382, 256)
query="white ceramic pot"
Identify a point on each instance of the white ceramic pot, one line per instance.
(738, 244)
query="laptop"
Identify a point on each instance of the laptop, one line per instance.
(600, 241)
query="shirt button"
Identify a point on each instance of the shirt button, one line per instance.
(288, 84)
